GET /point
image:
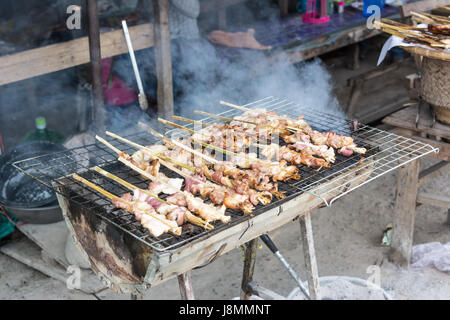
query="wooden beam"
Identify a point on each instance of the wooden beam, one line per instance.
(249, 268)
(404, 213)
(264, 292)
(96, 66)
(406, 119)
(433, 172)
(420, 6)
(163, 57)
(434, 200)
(284, 7)
(310, 256)
(214, 5)
(185, 284)
(56, 57)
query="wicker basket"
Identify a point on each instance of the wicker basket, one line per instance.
(435, 80)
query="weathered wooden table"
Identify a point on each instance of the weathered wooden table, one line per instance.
(410, 179)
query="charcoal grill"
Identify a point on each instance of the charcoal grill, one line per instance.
(130, 259)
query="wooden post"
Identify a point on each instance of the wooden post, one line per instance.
(357, 87)
(310, 256)
(185, 284)
(448, 217)
(284, 7)
(404, 213)
(96, 65)
(163, 58)
(249, 268)
(222, 17)
(354, 61)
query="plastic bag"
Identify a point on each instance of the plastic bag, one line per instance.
(433, 254)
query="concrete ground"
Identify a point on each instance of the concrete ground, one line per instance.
(347, 240)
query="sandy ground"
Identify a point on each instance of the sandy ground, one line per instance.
(347, 240)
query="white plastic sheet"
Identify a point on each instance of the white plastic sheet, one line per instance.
(395, 41)
(433, 254)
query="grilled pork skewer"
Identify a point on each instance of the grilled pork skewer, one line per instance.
(249, 179)
(206, 211)
(156, 223)
(278, 171)
(291, 156)
(306, 149)
(345, 145)
(171, 211)
(218, 194)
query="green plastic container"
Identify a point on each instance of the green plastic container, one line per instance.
(42, 133)
(6, 227)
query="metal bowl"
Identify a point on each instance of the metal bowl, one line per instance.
(25, 198)
(43, 215)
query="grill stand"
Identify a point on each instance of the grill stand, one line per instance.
(249, 287)
(126, 265)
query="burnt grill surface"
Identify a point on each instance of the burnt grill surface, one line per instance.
(80, 160)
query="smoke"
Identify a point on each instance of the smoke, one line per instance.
(203, 75)
(309, 83)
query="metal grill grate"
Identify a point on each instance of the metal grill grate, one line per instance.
(386, 152)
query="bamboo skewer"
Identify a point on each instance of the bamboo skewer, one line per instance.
(439, 19)
(244, 121)
(224, 151)
(422, 17)
(190, 217)
(139, 170)
(176, 231)
(109, 145)
(148, 175)
(203, 124)
(228, 104)
(447, 8)
(182, 146)
(165, 158)
(173, 125)
(430, 40)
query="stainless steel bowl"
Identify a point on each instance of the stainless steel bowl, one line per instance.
(42, 215)
(23, 197)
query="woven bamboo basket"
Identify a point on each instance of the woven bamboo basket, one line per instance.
(435, 80)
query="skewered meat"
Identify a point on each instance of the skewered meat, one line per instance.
(345, 145)
(165, 185)
(172, 212)
(291, 156)
(322, 151)
(157, 224)
(204, 211)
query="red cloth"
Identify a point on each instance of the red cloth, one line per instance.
(119, 94)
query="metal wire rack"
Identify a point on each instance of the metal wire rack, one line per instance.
(386, 152)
